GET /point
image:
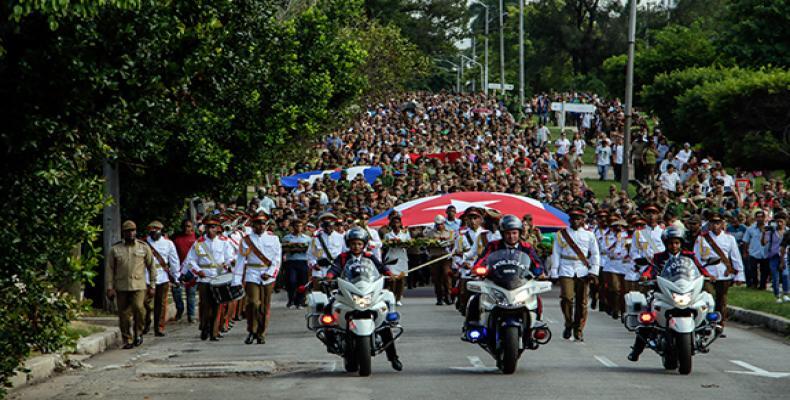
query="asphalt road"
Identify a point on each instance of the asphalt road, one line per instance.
(437, 365)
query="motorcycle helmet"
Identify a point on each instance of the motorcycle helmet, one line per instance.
(357, 233)
(674, 232)
(510, 222)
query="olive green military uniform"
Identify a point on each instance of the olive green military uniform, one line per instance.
(126, 265)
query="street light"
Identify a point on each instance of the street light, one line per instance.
(629, 94)
(502, 47)
(485, 58)
(472, 61)
(521, 55)
(457, 69)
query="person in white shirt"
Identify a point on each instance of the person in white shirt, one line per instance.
(257, 266)
(603, 158)
(168, 269)
(724, 269)
(683, 155)
(396, 258)
(617, 157)
(542, 135)
(326, 239)
(210, 256)
(575, 271)
(669, 179)
(563, 145)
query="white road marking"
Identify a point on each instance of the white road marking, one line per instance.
(606, 362)
(756, 371)
(476, 362)
(477, 366)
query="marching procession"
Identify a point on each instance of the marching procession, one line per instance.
(610, 255)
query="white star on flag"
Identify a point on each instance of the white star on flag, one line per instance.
(461, 206)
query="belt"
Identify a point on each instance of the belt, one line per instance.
(218, 268)
(256, 266)
(574, 258)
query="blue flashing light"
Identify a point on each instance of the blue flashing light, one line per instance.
(713, 316)
(475, 334)
(393, 316)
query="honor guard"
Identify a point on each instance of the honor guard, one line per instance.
(168, 270)
(126, 267)
(210, 256)
(441, 271)
(601, 230)
(257, 266)
(467, 250)
(325, 246)
(617, 251)
(575, 261)
(719, 251)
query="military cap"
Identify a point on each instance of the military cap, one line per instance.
(128, 225)
(155, 225)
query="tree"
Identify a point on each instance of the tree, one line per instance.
(757, 32)
(189, 97)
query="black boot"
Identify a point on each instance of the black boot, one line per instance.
(396, 364)
(636, 349)
(439, 302)
(447, 301)
(204, 334)
(566, 334)
(249, 339)
(261, 340)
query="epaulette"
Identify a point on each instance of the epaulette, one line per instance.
(117, 243)
(141, 242)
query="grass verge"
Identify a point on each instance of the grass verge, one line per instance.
(78, 329)
(758, 300)
(601, 188)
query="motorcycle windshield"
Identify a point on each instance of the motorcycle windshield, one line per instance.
(508, 269)
(680, 269)
(362, 270)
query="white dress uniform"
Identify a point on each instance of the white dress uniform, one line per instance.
(269, 245)
(210, 256)
(729, 246)
(335, 243)
(374, 244)
(600, 235)
(167, 250)
(398, 253)
(565, 262)
(645, 243)
(469, 251)
(617, 253)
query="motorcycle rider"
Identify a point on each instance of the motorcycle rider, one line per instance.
(357, 240)
(674, 238)
(511, 229)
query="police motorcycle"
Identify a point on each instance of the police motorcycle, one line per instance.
(510, 309)
(360, 321)
(677, 319)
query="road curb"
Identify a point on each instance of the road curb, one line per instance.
(43, 367)
(773, 323)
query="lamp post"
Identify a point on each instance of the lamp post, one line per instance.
(485, 57)
(629, 92)
(457, 69)
(501, 46)
(472, 61)
(521, 55)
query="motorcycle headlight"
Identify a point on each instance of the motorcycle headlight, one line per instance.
(362, 301)
(681, 299)
(497, 297)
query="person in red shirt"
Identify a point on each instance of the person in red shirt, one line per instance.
(183, 242)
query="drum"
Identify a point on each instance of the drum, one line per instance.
(222, 291)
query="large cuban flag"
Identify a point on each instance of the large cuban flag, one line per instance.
(421, 212)
(370, 174)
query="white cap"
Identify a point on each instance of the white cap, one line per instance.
(705, 161)
(439, 219)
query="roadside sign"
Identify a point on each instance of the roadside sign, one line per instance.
(496, 86)
(573, 107)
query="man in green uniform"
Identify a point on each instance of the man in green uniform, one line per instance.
(125, 269)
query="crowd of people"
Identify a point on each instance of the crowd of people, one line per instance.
(436, 143)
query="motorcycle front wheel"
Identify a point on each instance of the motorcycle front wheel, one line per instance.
(669, 359)
(362, 354)
(684, 345)
(510, 340)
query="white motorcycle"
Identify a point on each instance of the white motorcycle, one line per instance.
(360, 321)
(510, 309)
(679, 319)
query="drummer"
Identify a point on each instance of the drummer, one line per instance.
(257, 266)
(210, 256)
(396, 258)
